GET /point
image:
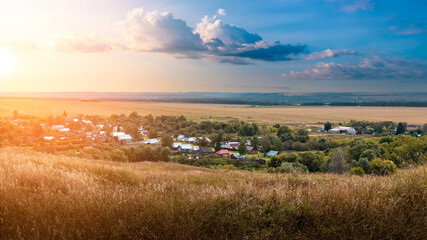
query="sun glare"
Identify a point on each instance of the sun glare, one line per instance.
(7, 62)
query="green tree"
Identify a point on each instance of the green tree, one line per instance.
(265, 144)
(401, 128)
(152, 133)
(242, 147)
(382, 167)
(274, 162)
(357, 171)
(167, 141)
(327, 126)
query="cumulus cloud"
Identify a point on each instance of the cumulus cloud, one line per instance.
(370, 68)
(159, 32)
(328, 53)
(162, 32)
(77, 43)
(230, 40)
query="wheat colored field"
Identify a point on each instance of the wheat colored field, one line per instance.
(44, 196)
(290, 115)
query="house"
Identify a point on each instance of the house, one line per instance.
(343, 130)
(152, 141)
(48, 138)
(86, 122)
(191, 139)
(125, 138)
(175, 145)
(181, 138)
(252, 150)
(233, 145)
(206, 151)
(144, 132)
(271, 153)
(57, 127)
(222, 153)
(413, 127)
(237, 156)
(195, 149)
(185, 147)
(64, 130)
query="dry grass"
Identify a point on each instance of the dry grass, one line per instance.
(51, 197)
(290, 115)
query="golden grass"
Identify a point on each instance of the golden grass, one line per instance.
(53, 197)
(290, 115)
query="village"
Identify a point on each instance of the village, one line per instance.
(236, 142)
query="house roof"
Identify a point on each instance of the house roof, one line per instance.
(272, 153)
(223, 151)
(249, 148)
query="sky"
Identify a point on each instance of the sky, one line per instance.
(213, 46)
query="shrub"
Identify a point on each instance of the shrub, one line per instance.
(382, 167)
(227, 166)
(357, 171)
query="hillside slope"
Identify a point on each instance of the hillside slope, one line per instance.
(52, 197)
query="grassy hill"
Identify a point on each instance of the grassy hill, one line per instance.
(52, 197)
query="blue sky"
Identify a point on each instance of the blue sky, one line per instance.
(237, 46)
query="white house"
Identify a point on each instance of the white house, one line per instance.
(57, 127)
(48, 138)
(191, 139)
(343, 130)
(152, 141)
(125, 137)
(181, 138)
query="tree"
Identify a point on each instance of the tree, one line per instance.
(255, 141)
(167, 141)
(202, 142)
(382, 167)
(327, 126)
(400, 128)
(357, 171)
(64, 114)
(337, 160)
(265, 144)
(242, 147)
(274, 162)
(314, 162)
(217, 140)
(152, 133)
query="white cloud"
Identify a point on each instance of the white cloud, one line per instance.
(328, 53)
(370, 69)
(159, 32)
(221, 12)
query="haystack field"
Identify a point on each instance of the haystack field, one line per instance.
(289, 115)
(46, 196)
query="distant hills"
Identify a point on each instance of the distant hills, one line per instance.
(317, 98)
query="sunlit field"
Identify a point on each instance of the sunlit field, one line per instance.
(289, 115)
(53, 197)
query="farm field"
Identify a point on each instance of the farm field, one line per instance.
(288, 115)
(45, 196)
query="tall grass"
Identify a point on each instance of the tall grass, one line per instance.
(52, 197)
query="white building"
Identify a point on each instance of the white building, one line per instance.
(343, 130)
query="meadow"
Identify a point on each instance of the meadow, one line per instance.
(45, 196)
(287, 115)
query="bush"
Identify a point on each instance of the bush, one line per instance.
(357, 171)
(228, 167)
(382, 167)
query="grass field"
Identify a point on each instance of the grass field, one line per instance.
(289, 115)
(52, 197)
